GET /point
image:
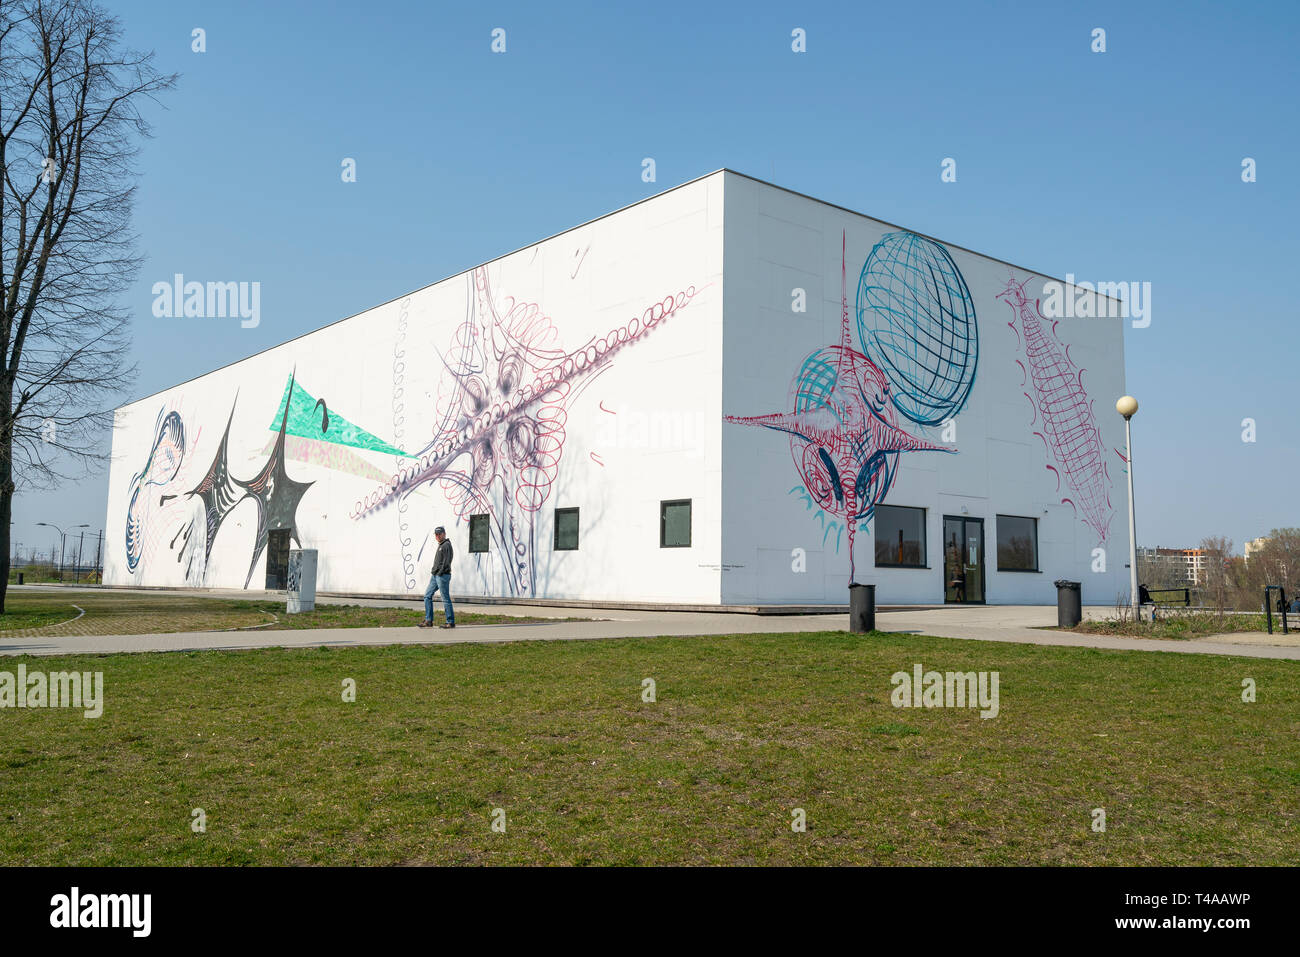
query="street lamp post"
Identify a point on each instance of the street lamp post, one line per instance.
(62, 537)
(1127, 406)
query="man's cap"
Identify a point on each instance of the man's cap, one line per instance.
(440, 531)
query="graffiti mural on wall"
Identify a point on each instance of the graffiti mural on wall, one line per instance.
(164, 461)
(499, 424)
(276, 496)
(320, 436)
(494, 440)
(916, 322)
(916, 319)
(303, 429)
(1062, 411)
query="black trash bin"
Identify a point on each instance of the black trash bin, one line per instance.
(862, 608)
(20, 578)
(1069, 604)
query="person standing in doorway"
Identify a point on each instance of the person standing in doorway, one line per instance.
(440, 581)
(956, 572)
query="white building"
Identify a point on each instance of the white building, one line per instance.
(726, 394)
(1255, 545)
(1182, 565)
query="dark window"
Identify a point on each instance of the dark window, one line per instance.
(675, 524)
(480, 534)
(900, 536)
(1017, 544)
(566, 529)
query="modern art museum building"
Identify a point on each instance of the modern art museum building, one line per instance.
(726, 394)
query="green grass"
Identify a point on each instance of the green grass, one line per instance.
(31, 614)
(46, 574)
(1177, 623)
(365, 616)
(35, 615)
(745, 729)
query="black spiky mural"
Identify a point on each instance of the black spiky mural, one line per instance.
(276, 494)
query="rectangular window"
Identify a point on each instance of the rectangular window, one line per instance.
(1017, 544)
(900, 536)
(480, 535)
(566, 529)
(675, 523)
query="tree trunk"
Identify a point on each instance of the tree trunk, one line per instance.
(6, 490)
(6, 510)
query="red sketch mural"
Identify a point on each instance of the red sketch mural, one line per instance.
(1063, 416)
(844, 433)
(502, 408)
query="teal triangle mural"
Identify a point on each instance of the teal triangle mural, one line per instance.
(311, 418)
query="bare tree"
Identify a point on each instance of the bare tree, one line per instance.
(1277, 562)
(70, 121)
(1218, 584)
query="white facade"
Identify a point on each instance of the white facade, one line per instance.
(661, 353)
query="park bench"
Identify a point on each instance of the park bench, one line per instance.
(1163, 598)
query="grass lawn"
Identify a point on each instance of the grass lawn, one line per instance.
(745, 729)
(33, 617)
(1179, 624)
(33, 614)
(44, 575)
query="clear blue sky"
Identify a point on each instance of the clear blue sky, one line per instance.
(1117, 166)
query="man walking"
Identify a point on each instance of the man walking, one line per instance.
(440, 582)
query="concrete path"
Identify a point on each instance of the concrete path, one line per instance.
(1013, 623)
(1028, 624)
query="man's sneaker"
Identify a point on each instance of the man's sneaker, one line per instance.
(425, 624)
(450, 624)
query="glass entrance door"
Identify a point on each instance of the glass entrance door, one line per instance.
(277, 559)
(963, 560)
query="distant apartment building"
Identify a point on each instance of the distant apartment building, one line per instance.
(1182, 565)
(1256, 545)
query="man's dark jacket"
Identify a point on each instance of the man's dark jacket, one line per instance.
(442, 560)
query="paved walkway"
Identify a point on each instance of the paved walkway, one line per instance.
(1026, 624)
(1014, 623)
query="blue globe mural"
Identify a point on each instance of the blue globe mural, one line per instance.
(916, 321)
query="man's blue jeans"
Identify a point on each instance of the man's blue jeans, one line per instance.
(439, 583)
